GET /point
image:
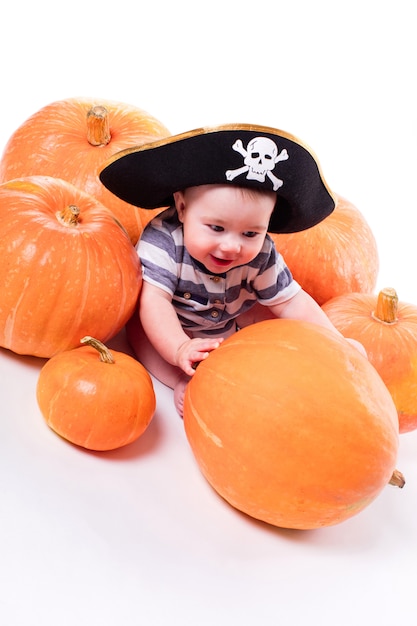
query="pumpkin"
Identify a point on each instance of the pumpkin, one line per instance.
(67, 267)
(339, 255)
(291, 425)
(387, 329)
(94, 397)
(72, 138)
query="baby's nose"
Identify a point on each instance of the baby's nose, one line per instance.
(230, 243)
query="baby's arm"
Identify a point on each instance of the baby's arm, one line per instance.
(304, 308)
(163, 329)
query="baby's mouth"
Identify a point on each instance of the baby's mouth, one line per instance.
(221, 262)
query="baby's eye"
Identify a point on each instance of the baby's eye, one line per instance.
(250, 233)
(216, 228)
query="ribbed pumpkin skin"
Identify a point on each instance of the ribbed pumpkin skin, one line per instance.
(291, 425)
(98, 406)
(339, 255)
(58, 282)
(391, 348)
(53, 142)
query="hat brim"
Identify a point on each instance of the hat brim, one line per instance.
(147, 176)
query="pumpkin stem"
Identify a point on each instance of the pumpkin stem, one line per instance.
(104, 352)
(386, 306)
(98, 128)
(397, 479)
(69, 215)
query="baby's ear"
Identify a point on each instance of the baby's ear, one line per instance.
(179, 204)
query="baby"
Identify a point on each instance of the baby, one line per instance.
(210, 267)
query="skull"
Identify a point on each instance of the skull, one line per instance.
(261, 158)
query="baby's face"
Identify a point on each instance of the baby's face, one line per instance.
(224, 226)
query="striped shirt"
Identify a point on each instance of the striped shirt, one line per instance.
(208, 304)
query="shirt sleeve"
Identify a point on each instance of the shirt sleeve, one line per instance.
(274, 284)
(156, 249)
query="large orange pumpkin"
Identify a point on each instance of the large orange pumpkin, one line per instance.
(72, 138)
(94, 397)
(339, 255)
(388, 330)
(292, 425)
(67, 267)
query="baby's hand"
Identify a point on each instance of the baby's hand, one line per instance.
(195, 350)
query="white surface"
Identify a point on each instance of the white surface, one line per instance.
(137, 536)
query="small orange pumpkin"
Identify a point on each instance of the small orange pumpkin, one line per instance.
(72, 138)
(292, 425)
(67, 267)
(339, 255)
(388, 330)
(94, 397)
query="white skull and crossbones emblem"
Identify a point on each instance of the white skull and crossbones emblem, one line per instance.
(260, 158)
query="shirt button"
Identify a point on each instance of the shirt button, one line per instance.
(187, 295)
(215, 279)
(214, 314)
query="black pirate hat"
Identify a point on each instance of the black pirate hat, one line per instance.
(239, 154)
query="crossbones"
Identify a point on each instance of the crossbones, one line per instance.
(260, 159)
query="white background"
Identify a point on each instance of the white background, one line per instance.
(137, 536)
